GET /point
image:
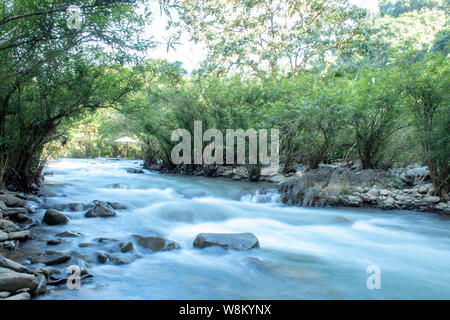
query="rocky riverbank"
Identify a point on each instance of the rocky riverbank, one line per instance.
(43, 268)
(331, 185)
(406, 189)
(17, 282)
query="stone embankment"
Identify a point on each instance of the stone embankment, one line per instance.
(406, 189)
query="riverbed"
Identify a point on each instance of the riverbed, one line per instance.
(304, 253)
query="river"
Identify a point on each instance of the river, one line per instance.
(304, 253)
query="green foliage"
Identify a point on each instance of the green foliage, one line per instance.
(442, 42)
(374, 111)
(427, 89)
(399, 7)
(53, 75)
(340, 86)
(310, 111)
(265, 37)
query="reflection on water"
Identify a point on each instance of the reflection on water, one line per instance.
(305, 253)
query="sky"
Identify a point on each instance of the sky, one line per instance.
(191, 54)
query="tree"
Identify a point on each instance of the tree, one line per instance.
(60, 94)
(427, 90)
(414, 28)
(309, 110)
(266, 37)
(44, 61)
(399, 7)
(374, 114)
(442, 42)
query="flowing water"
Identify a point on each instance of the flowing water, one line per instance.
(304, 253)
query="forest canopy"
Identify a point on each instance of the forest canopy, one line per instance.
(341, 84)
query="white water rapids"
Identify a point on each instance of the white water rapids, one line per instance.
(304, 253)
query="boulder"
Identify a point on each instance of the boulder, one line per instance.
(54, 242)
(14, 212)
(50, 258)
(388, 203)
(12, 201)
(417, 172)
(53, 218)
(133, 170)
(126, 246)
(101, 209)
(68, 234)
(432, 199)
(29, 197)
(42, 287)
(13, 281)
(237, 241)
(117, 206)
(9, 245)
(338, 185)
(374, 192)
(423, 189)
(102, 257)
(329, 185)
(314, 196)
(156, 242)
(20, 235)
(20, 297)
(402, 197)
(354, 200)
(8, 226)
(277, 178)
(12, 265)
(367, 178)
(56, 280)
(4, 294)
(3, 206)
(293, 190)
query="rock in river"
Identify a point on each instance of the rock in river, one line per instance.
(53, 218)
(9, 264)
(133, 170)
(12, 281)
(50, 258)
(237, 241)
(101, 209)
(68, 234)
(156, 243)
(20, 297)
(8, 226)
(102, 257)
(12, 201)
(117, 206)
(126, 246)
(54, 242)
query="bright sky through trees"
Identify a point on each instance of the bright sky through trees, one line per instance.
(191, 54)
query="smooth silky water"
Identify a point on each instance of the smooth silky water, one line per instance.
(305, 253)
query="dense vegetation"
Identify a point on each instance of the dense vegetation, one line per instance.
(339, 84)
